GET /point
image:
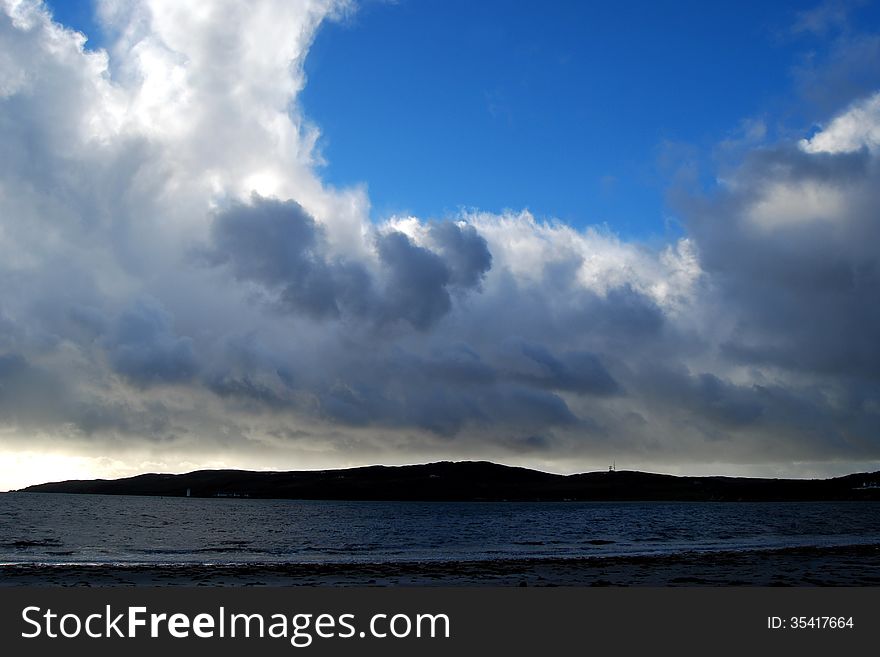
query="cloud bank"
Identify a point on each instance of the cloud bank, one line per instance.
(181, 289)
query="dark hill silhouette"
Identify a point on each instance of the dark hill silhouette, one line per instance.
(472, 481)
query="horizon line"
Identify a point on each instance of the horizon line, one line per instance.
(615, 470)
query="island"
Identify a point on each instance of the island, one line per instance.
(472, 481)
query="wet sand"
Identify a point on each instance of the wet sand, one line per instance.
(814, 566)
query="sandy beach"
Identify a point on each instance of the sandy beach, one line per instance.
(814, 566)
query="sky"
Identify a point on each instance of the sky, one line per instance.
(293, 235)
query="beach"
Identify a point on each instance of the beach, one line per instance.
(808, 566)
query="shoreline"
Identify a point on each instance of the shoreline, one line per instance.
(851, 565)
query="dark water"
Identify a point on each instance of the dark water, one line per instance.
(59, 529)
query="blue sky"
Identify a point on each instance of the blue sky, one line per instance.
(567, 108)
(581, 111)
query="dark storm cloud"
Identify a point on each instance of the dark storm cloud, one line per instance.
(257, 378)
(465, 251)
(24, 387)
(622, 315)
(456, 364)
(802, 282)
(530, 444)
(529, 409)
(442, 409)
(702, 395)
(579, 372)
(442, 391)
(143, 348)
(278, 245)
(256, 393)
(776, 420)
(417, 281)
(35, 397)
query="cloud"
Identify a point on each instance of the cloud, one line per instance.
(176, 278)
(856, 128)
(839, 65)
(144, 348)
(465, 251)
(279, 246)
(22, 385)
(580, 372)
(787, 245)
(827, 16)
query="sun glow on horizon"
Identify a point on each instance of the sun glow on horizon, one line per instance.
(21, 469)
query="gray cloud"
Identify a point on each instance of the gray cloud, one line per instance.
(803, 284)
(279, 246)
(22, 386)
(39, 399)
(580, 372)
(143, 348)
(465, 252)
(417, 281)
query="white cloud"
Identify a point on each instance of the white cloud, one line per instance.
(600, 261)
(790, 203)
(856, 128)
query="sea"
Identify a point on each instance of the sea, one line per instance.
(58, 529)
